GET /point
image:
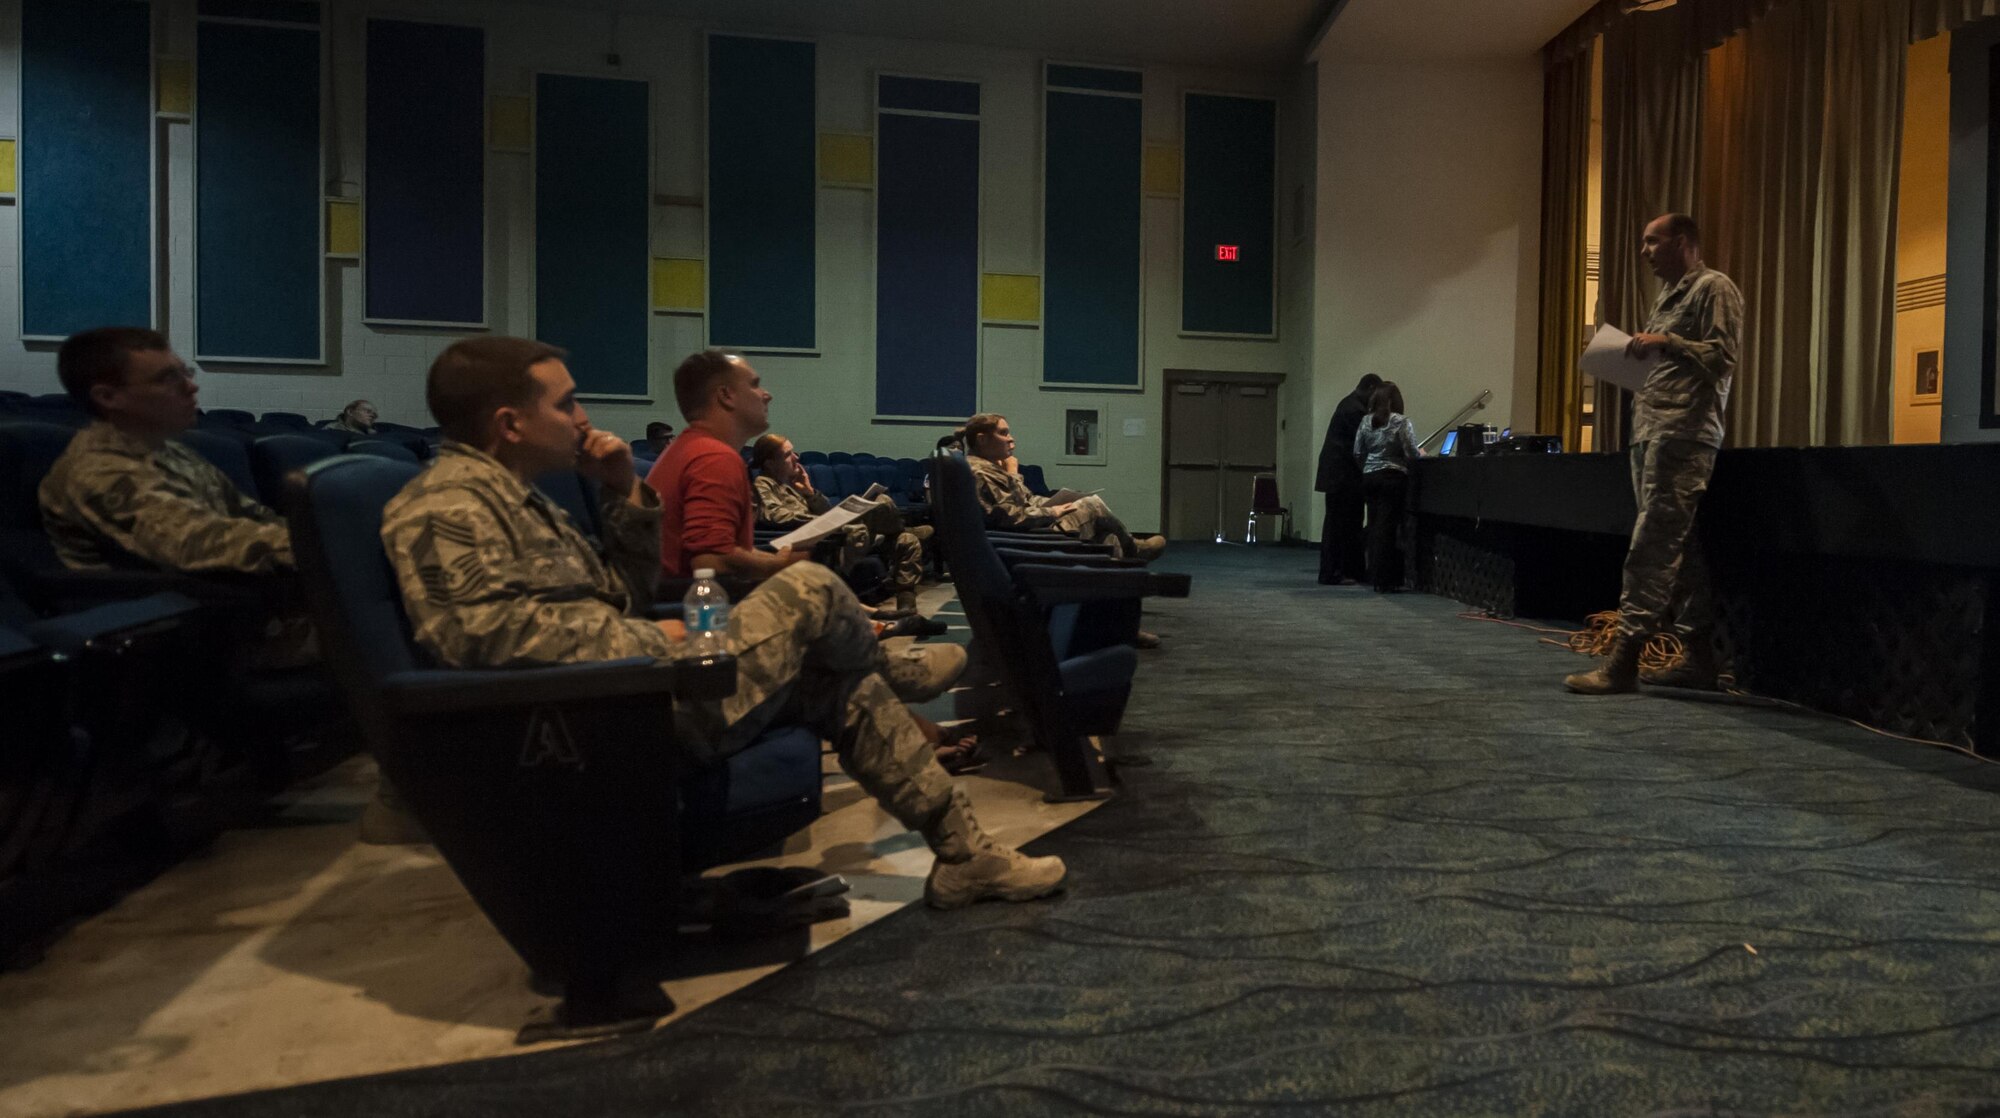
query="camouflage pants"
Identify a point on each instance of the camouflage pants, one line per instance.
(906, 558)
(1666, 579)
(1093, 522)
(806, 655)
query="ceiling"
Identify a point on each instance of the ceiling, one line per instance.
(1237, 34)
(1445, 30)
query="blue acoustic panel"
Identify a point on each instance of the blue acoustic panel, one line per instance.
(257, 193)
(929, 95)
(85, 165)
(593, 198)
(1231, 164)
(1091, 77)
(1090, 254)
(927, 266)
(425, 257)
(763, 183)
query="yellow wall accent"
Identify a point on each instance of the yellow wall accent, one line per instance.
(7, 181)
(678, 284)
(1162, 174)
(343, 227)
(846, 159)
(510, 123)
(1006, 297)
(174, 79)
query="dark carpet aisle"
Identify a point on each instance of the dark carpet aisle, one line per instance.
(1383, 864)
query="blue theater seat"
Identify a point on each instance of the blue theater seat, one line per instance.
(557, 795)
(229, 453)
(1044, 617)
(383, 448)
(274, 457)
(289, 419)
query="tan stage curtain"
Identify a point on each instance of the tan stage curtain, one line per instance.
(1565, 205)
(1653, 77)
(1801, 129)
(1930, 18)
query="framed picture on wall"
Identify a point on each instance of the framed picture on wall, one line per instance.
(1082, 436)
(1927, 377)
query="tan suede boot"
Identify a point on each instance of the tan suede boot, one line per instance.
(971, 866)
(1618, 674)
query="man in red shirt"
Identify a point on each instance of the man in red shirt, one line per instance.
(701, 479)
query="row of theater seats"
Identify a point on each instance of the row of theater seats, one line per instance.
(556, 794)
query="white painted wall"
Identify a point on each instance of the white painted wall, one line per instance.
(1429, 218)
(823, 401)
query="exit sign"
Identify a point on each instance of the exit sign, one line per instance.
(1225, 252)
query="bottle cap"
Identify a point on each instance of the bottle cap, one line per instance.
(705, 572)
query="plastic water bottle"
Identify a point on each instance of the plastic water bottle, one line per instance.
(705, 612)
(707, 670)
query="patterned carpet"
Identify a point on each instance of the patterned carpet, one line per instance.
(1383, 864)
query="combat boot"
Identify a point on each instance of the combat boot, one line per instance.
(923, 672)
(971, 866)
(1693, 673)
(1151, 547)
(1618, 674)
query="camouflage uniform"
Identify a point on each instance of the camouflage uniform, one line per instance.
(113, 498)
(1676, 431)
(345, 424)
(1010, 506)
(783, 506)
(494, 575)
(113, 495)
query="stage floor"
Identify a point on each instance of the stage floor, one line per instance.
(1381, 863)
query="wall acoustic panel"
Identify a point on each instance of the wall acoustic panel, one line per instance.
(424, 261)
(1091, 246)
(1228, 238)
(927, 249)
(593, 198)
(258, 274)
(762, 194)
(86, 197)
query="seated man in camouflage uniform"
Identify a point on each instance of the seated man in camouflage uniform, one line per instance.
(124, 491)
(356, 418)
(494, 575)
(786, 499)
(989, 450)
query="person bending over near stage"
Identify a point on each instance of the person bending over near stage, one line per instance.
(786, 499)
(358, 417)
(1694, 337)
(494, 575)
(1342, 557)
(1384, 447)
(1010, 506)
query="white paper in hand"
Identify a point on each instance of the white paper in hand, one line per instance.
(1605, 359)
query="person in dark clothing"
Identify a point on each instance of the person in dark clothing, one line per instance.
(1340, 539)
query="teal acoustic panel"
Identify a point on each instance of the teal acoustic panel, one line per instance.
(763, 193)
(593, 198)
(1228, 236)
(1091, 240)
(85, 166)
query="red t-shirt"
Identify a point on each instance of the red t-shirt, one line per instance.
(706, 507)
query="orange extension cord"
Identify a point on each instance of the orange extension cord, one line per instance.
(1665, 652)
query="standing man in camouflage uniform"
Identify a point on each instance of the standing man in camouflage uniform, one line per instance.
(125, 491)
(1010, 506)
(494, 575)
(786, 499)
(1695, 333)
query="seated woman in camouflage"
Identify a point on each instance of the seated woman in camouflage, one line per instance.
(786, 499)
(1010, 506)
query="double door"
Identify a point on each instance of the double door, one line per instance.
(1221, 433)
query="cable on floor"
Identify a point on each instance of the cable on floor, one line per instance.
(1664, 652)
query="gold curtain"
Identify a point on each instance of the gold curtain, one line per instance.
(1565, 205)
(1653, 77)
(1802, 126)
(1929, 18)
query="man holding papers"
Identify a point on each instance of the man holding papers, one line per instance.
(1692, 342)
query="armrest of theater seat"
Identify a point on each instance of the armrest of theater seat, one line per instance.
(73, 633)
(1053, 584)
(444, 691)
(1093, 559)
(80, 587)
